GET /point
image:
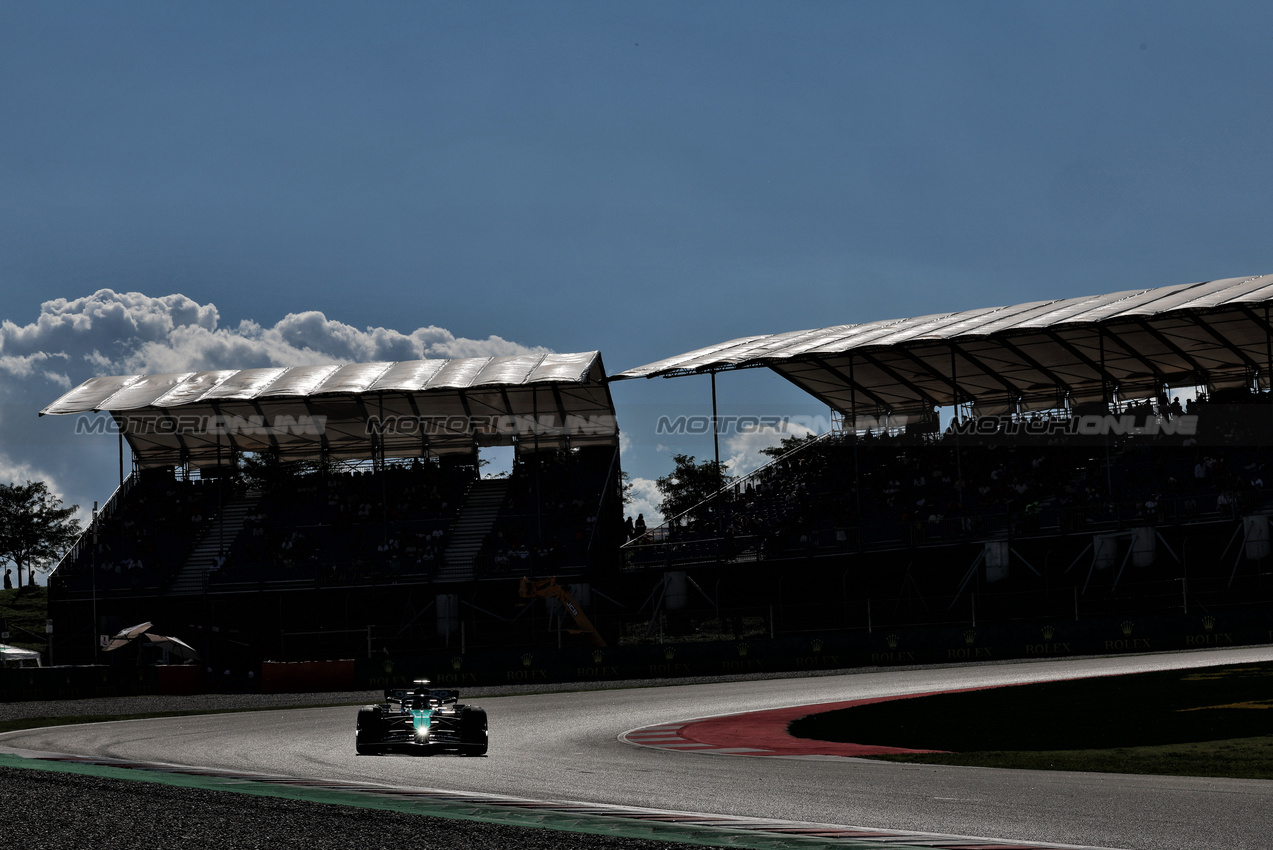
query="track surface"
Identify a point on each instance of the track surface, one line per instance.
(567, 747)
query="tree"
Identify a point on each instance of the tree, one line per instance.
(788, 444)
(35, 530)
(689, 483)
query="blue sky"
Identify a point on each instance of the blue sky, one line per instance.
(639, 178)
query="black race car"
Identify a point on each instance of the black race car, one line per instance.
(421, 721)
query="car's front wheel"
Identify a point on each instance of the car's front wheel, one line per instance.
(370, 730)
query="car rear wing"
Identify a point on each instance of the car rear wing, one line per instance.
(406, 695)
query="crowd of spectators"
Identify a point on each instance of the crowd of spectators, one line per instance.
(343, 526)
(146, 536)
(550, 514)
(349, 526)
(839, 492)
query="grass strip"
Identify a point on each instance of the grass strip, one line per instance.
(21, 723)
(1236, 758)
(1213, 722)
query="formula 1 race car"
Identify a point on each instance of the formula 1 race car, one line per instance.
(421, 721)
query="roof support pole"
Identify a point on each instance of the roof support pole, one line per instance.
(324, 446)
(857, 469)
(720, 475)
(716, 431)
(384, 491)
(472, 432)
(561, 417)
(539, 510)
(278, 450)
(959, 461)
(183, 446)
(1106, 399)
(1268, 348)
(420, 423)
(1107, 382)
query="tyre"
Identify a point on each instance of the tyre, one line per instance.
(370, 730)
(473, 732)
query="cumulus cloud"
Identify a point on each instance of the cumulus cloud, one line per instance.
(122, 333)
(744, 446)
(125, 333)
(645, 498)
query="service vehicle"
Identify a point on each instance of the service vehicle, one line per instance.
(421, 721)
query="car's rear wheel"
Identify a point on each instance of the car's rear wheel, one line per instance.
(473, 732)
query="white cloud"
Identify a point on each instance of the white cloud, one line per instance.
(127, 333)
(645, 501)
(114, 333)
(744, 447)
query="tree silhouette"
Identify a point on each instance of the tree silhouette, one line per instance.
(35, 530)
(689, 484)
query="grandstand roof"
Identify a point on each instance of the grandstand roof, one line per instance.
(1026, 356)
(533, 401)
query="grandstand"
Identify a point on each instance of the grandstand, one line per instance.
(288, 512)
(1069, 478)
(1093, 457)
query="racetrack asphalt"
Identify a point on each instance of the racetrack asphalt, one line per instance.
(554, 746)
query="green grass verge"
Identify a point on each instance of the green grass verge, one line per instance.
(1207, 722)
(25, 610)
(43, 722)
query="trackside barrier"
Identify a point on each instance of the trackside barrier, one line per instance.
(180, 679)
(78, 682)
(297, 677)
(831, 651)
(791, 654)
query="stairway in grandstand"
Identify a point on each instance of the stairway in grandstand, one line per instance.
(218, 535)
(478, 513)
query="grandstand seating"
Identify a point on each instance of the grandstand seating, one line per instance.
(334, 526)
(839, 493)
(145, 535)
